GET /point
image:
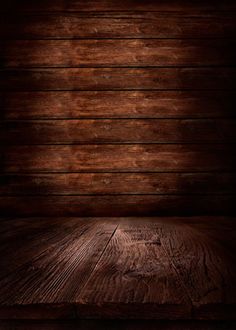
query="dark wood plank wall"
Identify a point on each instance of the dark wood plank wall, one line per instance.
(117, 108)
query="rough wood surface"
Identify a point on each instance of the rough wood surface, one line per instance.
(123, 158)
(133, 271)
(117, 183)
(135, 52)
(39, 235)
(117, 25)
(202, 243)
(54, 274)
(121, 131)
(118, 79)
(120, 267)
(117, 104)
(203, 258)
(139, 86)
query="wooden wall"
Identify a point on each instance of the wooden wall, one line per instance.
(117, 108)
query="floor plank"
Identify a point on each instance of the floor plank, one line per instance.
(134, 275)
(204, 254)
(38, 234)
(149, 268)
(202, 251)
(56, 273)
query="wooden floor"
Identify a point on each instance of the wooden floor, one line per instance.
(115, 268)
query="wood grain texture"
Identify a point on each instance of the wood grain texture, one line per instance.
(118, 79)
(120, 268)
(76, 256)
(118, 205)
(118, 131)
(117, 104)
(115, 73)
(117, 25)
(211, 294)
(108, 158)
(207, 266)
(39, 235)
(135, 52)
(117, 108)
(117, 183)
(110, 5)
(133, 272)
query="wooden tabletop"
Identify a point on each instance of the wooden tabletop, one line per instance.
(148, 268)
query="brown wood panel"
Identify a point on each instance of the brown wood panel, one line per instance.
(136, 205)
(40, 234)
(25, 225)
(127, 53)
(106, 158)
(117, 104)
(118, 131)
(95, 250)
(117, 183)
(109, 5)
(75, 255)
(211, 287)
(118, 78)
(207, 268)
(136, 52)
(128, 280)
(117, 25)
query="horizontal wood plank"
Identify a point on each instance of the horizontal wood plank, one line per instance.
(108, 158)
(106, 206)
(117, 183)
(117, 104)
(82, 53)
(118, 131)
(117, 25)
(118, 79)
(109, 5)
